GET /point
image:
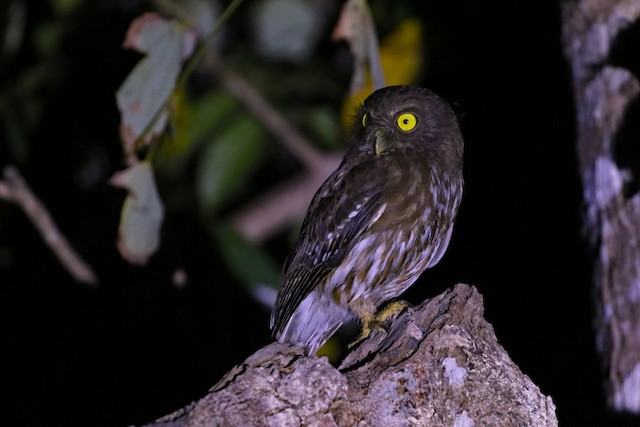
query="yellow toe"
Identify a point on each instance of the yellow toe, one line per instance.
(372, 322)
(390, 310)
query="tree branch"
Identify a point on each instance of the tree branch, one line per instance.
(15, 189)
(277, 208)
(439, 365)
(267, 115)
(280, 206)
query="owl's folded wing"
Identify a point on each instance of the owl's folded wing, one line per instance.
(341, 210)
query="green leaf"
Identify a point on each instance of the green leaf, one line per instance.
(227, 163)
(252, 266)
(142, 213)
(323, 121)
(62, 7)
(210, 112)
(47, 38)
(193, 123)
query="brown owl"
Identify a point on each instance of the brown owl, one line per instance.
(383, 217)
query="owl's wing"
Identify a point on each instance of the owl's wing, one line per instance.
(344, 206)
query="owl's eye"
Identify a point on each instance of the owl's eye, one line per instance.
(407, 122)
(365, 120)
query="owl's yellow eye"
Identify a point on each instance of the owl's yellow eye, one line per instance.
(365, 119)
(407, 122)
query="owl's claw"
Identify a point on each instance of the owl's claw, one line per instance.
(392, 309)
(366, 331)
(371, 323)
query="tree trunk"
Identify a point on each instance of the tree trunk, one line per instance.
(438, 364)
(594, 32)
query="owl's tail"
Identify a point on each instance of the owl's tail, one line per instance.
(314, 321)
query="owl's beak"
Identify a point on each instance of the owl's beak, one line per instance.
(381, 142)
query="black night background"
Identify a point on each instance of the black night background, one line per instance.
(137, 347)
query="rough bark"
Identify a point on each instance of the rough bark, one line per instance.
(603, 93)
(438, 364)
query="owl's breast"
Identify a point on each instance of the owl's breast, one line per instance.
(414, 192)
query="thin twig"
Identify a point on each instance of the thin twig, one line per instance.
(268, 116)
(206, 43)
(242, 90)
(15, 189)
(267, 215)
(280, 206)
(287, 202)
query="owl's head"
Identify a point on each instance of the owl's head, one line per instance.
(406, 118)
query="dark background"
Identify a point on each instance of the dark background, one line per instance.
(136, 347)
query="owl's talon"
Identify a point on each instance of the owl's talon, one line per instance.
(392, 309)
(364, 334)
(371, 323)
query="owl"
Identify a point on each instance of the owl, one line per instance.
(382, 218)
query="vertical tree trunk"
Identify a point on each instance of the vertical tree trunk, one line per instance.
(603, 91)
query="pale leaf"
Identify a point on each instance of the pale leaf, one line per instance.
(143, 95)
(142, 213)
(228, 161)
(355, 26)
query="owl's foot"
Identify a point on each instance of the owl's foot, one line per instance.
(390, 310)
(367, 328)
(378, 320)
